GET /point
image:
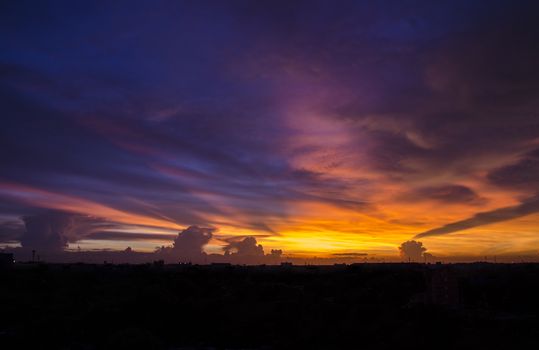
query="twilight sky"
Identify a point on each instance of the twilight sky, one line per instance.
(319, 127)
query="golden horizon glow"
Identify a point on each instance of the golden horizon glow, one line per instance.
(321, 230)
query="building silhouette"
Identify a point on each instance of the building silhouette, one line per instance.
(6, 260)
(442, 287)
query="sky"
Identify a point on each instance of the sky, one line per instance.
(319, 128)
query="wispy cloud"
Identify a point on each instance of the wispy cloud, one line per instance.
(527, 207)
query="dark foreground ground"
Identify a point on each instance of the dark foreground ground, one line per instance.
(370, 306)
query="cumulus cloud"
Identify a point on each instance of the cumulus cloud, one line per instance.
(188, 245)
(276, 253)
(50, 232)
(248, 251)
(246, 247)
(412, 250)
(527, 207)
(191, 241)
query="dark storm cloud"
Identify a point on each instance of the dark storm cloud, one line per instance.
(527, 207)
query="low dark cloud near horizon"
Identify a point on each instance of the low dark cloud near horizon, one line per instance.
(237, 113)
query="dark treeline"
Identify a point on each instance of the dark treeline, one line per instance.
(382, 306)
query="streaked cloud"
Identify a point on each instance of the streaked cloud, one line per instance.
(317, 128)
